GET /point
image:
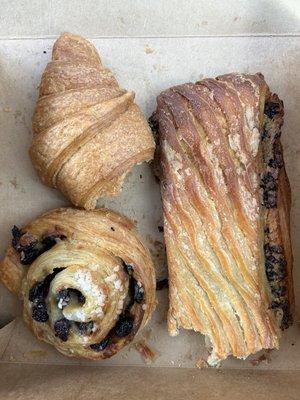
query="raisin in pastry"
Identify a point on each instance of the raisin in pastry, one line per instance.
(226, 200)
(87, 289)
(88, 132)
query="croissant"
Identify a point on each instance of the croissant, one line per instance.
(226, 200)
(86, 280)
(88, 132)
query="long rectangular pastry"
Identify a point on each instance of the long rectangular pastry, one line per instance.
(226, 200)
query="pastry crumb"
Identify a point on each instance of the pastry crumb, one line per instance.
(148, 50)
(264, 358)
(147, 333)
(148, 354)
(14, 183)
(33, 354)
(201, 364)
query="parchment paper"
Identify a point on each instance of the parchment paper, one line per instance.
(146, 65)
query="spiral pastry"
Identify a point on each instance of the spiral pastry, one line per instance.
(90, 284)
(88, 132)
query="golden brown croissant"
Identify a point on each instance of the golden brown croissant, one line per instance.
(88, 132)
(90, 285)
(226, 200)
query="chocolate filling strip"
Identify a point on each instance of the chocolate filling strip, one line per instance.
(125, 327)
(275, 262)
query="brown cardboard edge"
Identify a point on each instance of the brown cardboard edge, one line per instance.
(5, 336)
(69, 382)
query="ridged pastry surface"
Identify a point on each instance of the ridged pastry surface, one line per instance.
(224, 221)
(88, 132)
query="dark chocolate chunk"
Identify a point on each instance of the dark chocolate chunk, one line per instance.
(80, 296)
(282, 262)
(16, 235)
(138, 292)
(29, 246)
(272, 249)
(49, 241)
(162, 284)
(160, 228)
(282, 273)
(101, 345)
(26, 244)
(65, 295)
(39, 311)
(271, 259)
(85, 327)
(271, 274)
(276, 249)
(265, 134)
(271, 109)
(154, 125)
(278, 290)
(275, 304)
(128, 268)
(37, 292)
(29, 253)
(278, 156)
(270, 199)
(268, 182)
(275, 163)
(49, 278)
(40, 289)
(130, 296)
(135, 293)
(62, 328)
(287, 317)
(124, 325)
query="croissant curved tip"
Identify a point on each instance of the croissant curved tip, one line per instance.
(71, 46)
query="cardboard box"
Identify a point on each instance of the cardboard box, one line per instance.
(150, 46)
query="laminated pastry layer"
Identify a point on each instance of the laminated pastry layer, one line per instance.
(86, 123)
(213, 166)
(86, 280)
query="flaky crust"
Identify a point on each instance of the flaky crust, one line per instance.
(88, 132)
(212, 166)
(92, 258)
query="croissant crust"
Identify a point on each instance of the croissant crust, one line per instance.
(226, 201)
(88, 132)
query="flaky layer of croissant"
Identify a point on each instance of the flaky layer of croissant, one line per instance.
(86, 280)
(88, 132)
(226, 204)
